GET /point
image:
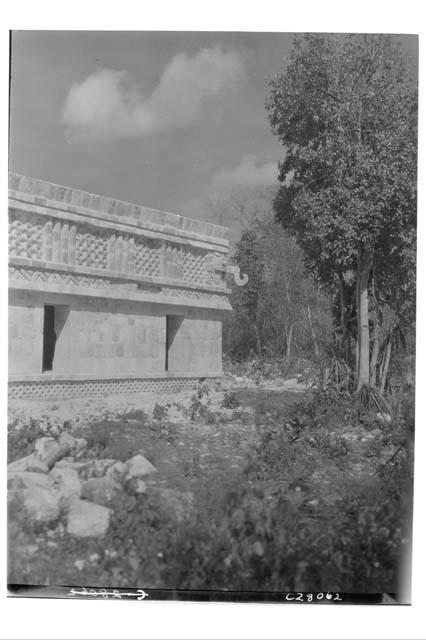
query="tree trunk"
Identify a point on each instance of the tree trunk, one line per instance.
(363, 276)
(289, 339)
(314, 337)
(386, 360)
(259, 346)
(375, 351)
(344, 317)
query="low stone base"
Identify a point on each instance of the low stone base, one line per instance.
(71, 388)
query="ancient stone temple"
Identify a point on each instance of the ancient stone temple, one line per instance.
(110, 297)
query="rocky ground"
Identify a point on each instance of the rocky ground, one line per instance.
(72, 463)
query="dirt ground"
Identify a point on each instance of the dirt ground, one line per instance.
(189, 455)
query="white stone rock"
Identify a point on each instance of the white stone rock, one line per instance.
(45, 448)
(138, 467)
(98, 468)
(135, 485)
(87, 519)
(28, 479)
(36, 493)
(67, 483)
(65, 439)
(384, 417)
(68, 463)
(76, 444)
(117, 471)
(28, 463)
(100, 490)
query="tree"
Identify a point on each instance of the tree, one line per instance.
(345, 109)
(250, 260)
(280, 311)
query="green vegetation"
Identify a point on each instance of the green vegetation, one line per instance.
(319, 502)
(345, 109)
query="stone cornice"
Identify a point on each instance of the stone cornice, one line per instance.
(75, 201)
(101, 222)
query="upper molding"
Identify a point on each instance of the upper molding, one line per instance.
(72, 200)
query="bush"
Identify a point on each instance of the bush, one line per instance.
(160, 412)
(230, 400)
(199, 409)
(21, 437)
(251, 543)
(134, 415)
(292, 521)
(20, 443)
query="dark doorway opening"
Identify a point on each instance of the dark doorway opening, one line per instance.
(49, 337)
(172, 327)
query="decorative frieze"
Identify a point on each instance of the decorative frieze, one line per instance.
(26, 237)
(91, 249)
(69, 388)
(61, 242)
(53, 277)
(145, 257)
(75, 283)
(211, 300)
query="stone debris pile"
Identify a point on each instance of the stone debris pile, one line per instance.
(55, 480)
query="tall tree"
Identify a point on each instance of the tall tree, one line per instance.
(345, 109)
(280, 311)
(250, 259)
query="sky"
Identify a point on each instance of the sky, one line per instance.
(171, 120)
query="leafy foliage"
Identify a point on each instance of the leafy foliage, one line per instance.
(199, 408)
(281, 310)
(345, 109)
(230, 400)
(297, 517)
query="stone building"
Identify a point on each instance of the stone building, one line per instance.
(110, 297)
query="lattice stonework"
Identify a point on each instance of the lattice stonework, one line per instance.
(193, 266)
(66, 388)
(91, 249)
(146, 258)
(52, 277)
(200, 267)
(26, 237)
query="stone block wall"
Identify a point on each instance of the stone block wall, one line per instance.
(117, 276)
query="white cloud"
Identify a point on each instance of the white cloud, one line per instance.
(108, 104)
(248, 173)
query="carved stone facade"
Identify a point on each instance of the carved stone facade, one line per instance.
(108, 296)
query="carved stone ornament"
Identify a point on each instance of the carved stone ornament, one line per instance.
(239, 280)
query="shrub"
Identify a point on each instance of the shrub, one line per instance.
(21, 441)
(199, 409)
(230, 400)
(256, 544)
(134, 415)
(160, 412)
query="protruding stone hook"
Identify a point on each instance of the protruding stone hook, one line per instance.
(240, 280)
